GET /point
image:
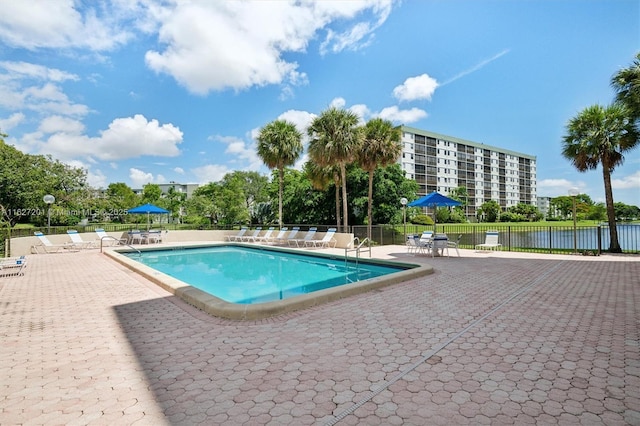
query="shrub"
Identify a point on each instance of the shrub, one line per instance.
(421, 219)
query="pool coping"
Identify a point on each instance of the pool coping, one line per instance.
(234, 311)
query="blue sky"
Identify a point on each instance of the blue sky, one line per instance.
(160, 90)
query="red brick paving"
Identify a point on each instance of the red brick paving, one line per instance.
(488, 339)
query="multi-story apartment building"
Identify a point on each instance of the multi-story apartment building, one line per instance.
(544, 205)
(183, 188)
(443, 163)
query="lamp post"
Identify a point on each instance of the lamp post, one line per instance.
(404, 202)
(49, 199)
(573, 192)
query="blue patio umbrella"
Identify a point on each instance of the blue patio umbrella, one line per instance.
(148, 209)
(435, 199)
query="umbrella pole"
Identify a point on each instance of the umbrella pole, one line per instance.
(435, 218)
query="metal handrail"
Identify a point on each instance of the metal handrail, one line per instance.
(357, 248)
(119, 241)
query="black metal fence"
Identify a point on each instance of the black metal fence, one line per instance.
(535, 238)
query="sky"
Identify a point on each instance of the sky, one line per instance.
(159, 91)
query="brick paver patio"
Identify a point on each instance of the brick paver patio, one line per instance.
(492, 338)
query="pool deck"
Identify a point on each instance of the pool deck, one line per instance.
(489, 338)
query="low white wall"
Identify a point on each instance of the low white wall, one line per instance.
(23, 245)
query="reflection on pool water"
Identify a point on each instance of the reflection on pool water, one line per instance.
(245, 275)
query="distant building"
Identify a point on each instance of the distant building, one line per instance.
(544, 204)
(186, 188)
(443, 163)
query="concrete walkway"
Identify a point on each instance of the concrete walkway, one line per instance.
(490, 338)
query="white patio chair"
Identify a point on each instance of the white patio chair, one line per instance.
(308, 237)
(78, 242)
(490, 241)
(325, 242)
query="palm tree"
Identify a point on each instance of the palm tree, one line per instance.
(626, 83)
(335, 140)
(279, 146)
(320, 178)
(601, 135)
(381, 146)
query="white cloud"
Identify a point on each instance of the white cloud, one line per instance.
(360, 34)
(25, 86)
(337, 103)
(38, 72)
(139, 178)
(415, 88)
(97, 179)
(627, 182)
(558, 187)
(393, 113)
(11, 122)
(210, 173)
(63, 24)
(301, 119)
(244, 151)
(362, 111)
(178, 170)
(128, 137)
(58, 124)
(203, 39)
(136, 136)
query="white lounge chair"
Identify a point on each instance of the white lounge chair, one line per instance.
(47, 246)
(108, 240)
(12, 266)
(309, 236)
(78, 242)
(239, 235)
(279, 237)
(325, 242)
(266, 237)
(291, 236)
(490, 241)
(252, 237)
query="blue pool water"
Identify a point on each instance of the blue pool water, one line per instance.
(245, 275)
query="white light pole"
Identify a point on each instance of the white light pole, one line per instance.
(404, 202)
(49, 199)
(573, 192)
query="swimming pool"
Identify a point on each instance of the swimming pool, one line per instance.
(240, 281)
(248, 275)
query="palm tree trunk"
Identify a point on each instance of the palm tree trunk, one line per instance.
(370, 207)
(336, 181)
(280, 179)
(338, 221)
(614, 245)
(345, 209)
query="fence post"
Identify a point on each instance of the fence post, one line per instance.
(599, 239)
(550, 241)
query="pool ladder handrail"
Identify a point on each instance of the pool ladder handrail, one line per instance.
(358, 248)
(120, 242)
